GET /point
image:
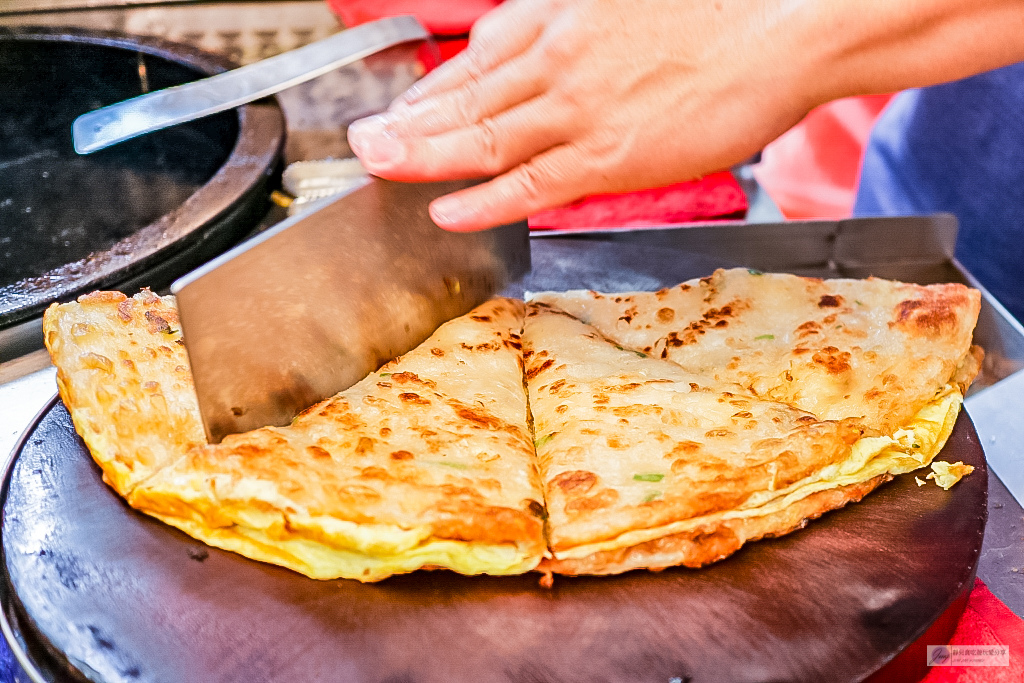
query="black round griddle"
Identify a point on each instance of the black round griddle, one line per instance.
(138, 213)
(93, 588)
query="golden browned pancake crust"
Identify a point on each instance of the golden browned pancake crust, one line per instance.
(638, 430)
(707, 544)
(870, 349)
(420, 463)
(123, 373)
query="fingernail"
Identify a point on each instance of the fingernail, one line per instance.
(383, 151)
(449, 211)
(373, 144)
(363, 131)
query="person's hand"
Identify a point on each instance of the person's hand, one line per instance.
(566, 98)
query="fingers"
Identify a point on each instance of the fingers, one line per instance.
(546, 181)
(503, 88)
(488, 147)
(498, 36)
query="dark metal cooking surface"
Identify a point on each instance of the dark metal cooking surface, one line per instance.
(70, 224)
(125, 598)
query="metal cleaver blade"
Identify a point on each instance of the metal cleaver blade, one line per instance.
(316, 303)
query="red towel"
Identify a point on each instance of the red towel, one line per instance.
(716, 196)
(986, 621)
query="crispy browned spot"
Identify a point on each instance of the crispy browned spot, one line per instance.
(575, 483)
(830, 301)
(481, 318)
(374, 472)
(478, 417)
(401, 455)
(666, 315)
(719, 313)
(556, 386)
(318, 452)
(561, 409)
(410, 397)
(537, 369)
(102, 297)
(365, 444)
(156, 324)
(124, 310)
(833, 360)
(636, 410)
(718, 433)
(684, 448)
(934, 312)
(437, 352)
(411, 378)
(385, 432)
(600, 500)
(535, 508)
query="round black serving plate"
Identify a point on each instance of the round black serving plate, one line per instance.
(93, 590)
(138, 213)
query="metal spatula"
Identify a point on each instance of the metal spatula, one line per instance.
(144, 114)
(316, 303)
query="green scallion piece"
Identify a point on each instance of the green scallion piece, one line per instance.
(453, 465)
(764, 336)
(648, 477)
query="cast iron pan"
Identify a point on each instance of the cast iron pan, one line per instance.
(94, 589)
(138, 213)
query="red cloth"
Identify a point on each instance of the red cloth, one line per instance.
(440, 17)
(712, 197)
(986, 621)
(811, 170)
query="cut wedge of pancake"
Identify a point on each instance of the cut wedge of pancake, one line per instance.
(871, 349)
(646, 464)
(428, 462)
(123, 374)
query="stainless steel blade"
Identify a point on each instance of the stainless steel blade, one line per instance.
(315, 304)
(144, 114)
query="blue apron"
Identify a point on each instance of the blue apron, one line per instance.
(958, 147)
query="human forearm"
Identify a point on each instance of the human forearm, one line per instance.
(871, 46)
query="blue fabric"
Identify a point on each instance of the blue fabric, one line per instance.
(958, 147)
